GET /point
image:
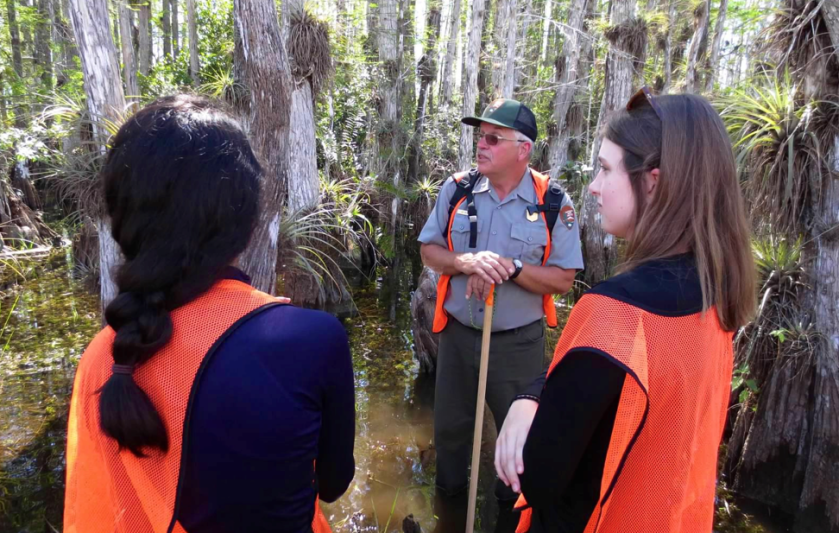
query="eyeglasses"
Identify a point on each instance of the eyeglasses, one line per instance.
(492, 139)
(644, 92)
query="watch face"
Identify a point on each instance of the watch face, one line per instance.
(517, 263)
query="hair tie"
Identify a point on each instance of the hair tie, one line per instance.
(123, 369)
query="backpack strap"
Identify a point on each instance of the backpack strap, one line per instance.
(465, 185)
(551, 204)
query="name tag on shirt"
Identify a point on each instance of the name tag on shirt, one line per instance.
(462, 212)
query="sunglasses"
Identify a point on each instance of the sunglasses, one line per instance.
(493, 139)
(644, 93)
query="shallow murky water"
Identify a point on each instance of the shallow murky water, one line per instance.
(46, 322)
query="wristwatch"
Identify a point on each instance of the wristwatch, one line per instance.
(519, 266)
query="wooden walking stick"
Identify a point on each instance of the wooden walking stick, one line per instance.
(479, 411)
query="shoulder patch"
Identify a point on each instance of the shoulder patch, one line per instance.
(568, 216)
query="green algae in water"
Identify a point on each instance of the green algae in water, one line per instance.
(49, 319)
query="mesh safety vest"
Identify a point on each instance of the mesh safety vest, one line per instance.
(112, 491)
(441, 318)
(661, 464)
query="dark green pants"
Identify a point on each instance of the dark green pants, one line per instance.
(515, 360)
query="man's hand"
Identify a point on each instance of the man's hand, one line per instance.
(488, 265)
(284, 300)
(510, 442)
(478, 286)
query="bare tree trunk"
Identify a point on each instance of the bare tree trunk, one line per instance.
(129, 63)
(527, 18)
(470, 91)
(194, 68)
(176, 36)
(451, 55)
(501, 21)
(166, 16)
(425, 72)
(568, 79)
(4, 113)
(24, 31)
(144, 35)
(64, 33)
(668, 47)
(713, 59)
(546, 30)
(698, 46)
(17, 64)
(43, 53)
(509, 81)
(625, 49)
(303, 183)
(261, 60)
(105, 101)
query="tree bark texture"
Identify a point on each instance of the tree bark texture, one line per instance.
(786, 453)
(166, 22)
(176, 36)
(574, 48)
(546, 30)
(64, 36)
(17, 64)
(711, 66)
(303, 182)
(261, 60)
(451, 55)
(500, 21)
(105, 101)
(600, 251)
(194, 68)
(425, 73)
(43, 37)
(698, 47)
(144, 36)
(509, 81)
(129, 62)
(470, 89)
(668, 46)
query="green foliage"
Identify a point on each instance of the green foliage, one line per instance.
(779, 147)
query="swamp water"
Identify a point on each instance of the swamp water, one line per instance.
(48, 319)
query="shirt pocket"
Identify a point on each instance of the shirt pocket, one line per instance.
(528, 242)
(460, 234)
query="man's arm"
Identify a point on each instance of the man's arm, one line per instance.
(546, 279)
(490, 266)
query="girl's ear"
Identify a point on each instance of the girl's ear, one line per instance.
(650, 182)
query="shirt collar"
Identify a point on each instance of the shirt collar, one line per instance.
(524, 190)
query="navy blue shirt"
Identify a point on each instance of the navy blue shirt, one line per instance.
(277, 395)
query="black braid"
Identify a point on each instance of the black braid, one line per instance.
(182, 191)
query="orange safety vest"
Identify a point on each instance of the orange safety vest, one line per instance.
(661, 465)
(109, 490)
(441, 318)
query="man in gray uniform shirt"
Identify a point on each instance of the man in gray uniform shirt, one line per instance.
(510, 252)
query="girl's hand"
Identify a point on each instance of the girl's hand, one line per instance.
(510, 442)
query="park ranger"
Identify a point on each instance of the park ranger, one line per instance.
(505, 224)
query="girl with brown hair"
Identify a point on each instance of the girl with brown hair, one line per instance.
(621, 434)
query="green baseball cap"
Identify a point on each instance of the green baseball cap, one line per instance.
(507, 114)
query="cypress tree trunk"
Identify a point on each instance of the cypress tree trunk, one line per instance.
(194, 68)
(451, 56)
(144, 36)
(622, 66)
(166, 22)
(509, 80)
(568, 80)
(176, 36)
(303, 183)
(17, 63)
(668, 47)
(262, 64)
(712, 65)
(470, 89)
(698, 46)
(425, 72)
(43, 37)
(129, 62)
(105, 101)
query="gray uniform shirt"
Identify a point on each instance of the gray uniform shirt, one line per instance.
(503, 228)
